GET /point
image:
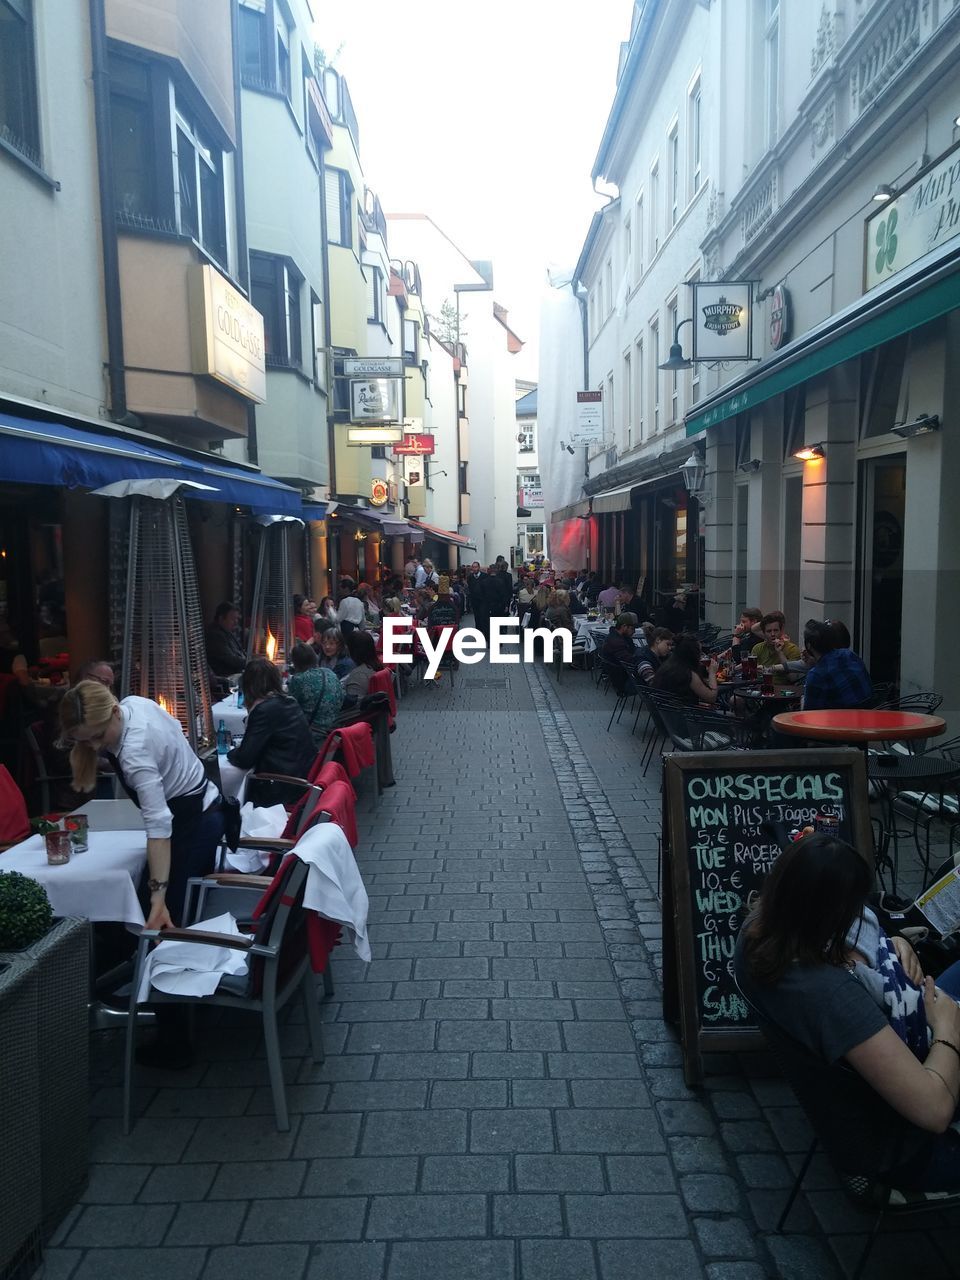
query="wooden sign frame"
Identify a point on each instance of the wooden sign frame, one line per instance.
(680, 963)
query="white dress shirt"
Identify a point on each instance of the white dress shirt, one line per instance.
(351, 610)
(158, 763)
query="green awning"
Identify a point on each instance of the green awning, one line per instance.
(862, 333)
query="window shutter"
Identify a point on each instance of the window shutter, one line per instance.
(332, 193)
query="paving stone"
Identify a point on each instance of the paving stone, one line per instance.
(539, 1093)
(609, 1130)
(255, 1136)
(327, 1135)
(527, 1215)
(559, 1173)
(434, 1215)
(360, 1175)
(685, 1117)
(468, 1094)
(125, 1225)
(148, 1264)
(801, 1258)
(454, 967)
(509, 1065)
(596, 1036)
(472, 1034)
(361, 1261)
(766, 1171)
(609, 1093)
(511, 1130)
(158, 1141)
(457, 1007)
(251, 1179)
(252, 1262)
(736, 1271)
(710, 1193)
(725, 1237)
(643, 1216)
(664, 1259)
(317, 1218)
(414, 1133)
(593, 1066)
(466, 1173)
(477, 1259)
(640, 1173)
(557, 1260)
(207, 1224)
(114, 1183)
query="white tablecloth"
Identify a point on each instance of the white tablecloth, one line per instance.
(233, 779)
(100, 884)
(234, 718)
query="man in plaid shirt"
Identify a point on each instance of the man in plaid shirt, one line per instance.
(838, 678)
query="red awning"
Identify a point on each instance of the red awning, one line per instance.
(444, 535)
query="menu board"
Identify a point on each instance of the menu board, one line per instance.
(718, 853)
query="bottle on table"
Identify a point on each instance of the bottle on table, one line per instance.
(223, 739)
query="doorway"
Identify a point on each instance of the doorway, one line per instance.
(883, 489)
(792, 530)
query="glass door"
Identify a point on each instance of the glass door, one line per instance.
(883, 490)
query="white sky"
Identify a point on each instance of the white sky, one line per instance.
(486, 115)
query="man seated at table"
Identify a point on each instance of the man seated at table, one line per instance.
(749, 630)
(98, 669)
(225, 655)
(609, 597)
(837, 678)
(655, 651)
(775, 648)
(618, 646)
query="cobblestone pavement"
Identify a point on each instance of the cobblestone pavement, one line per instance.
(501, 1099)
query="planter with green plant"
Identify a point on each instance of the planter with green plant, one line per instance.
(61, 952)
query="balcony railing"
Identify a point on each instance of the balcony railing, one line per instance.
(885, 55)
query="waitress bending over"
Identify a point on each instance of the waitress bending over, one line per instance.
(182, 811)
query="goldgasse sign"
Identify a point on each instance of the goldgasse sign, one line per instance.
(923, 216)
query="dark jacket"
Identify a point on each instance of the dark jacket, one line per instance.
(618, 648)
(505, 579)
(277, 740)
(225, 654)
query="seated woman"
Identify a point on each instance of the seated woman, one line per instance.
(363, 652)
(794, 961)
(276, 740)
(316, 689)
(334, 653)
(443, 611)
(680, 673)
(304, 610)
(557, 613)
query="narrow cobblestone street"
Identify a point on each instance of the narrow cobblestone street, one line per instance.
(501, 1099)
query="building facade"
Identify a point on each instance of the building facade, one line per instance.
(531, 533)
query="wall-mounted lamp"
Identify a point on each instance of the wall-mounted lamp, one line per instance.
(956, 122)
(569, 447)
(676, 361)
(810, 453)
(360, 536)
(753, 465)
(694, 472)
(922, 425)
(884, 192)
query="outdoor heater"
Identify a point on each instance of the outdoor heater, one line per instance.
(271, 610)
(164, 657)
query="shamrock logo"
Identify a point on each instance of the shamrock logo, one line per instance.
(886, 242)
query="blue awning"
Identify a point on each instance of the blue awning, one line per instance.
(316, 510)
(74, 457)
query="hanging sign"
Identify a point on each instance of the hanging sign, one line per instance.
(779, 316)
(373, 366)
(374, 435)
(922, 216)
(415, 446)
(378, 493)
(723, 320)
(374, 400)
(588, 424)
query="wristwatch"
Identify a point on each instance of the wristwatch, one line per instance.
(156, 885)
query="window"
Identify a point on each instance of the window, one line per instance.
(375, 310)
(655, 374)
(638, 238)
(411, 342)
(692, 377)
(461, 399)
(695, 140)
(316, 335)
(609, 411)
(655, 208)
(627, 241)
(673, 154)
(525, 439)
(253, 45)
(534, 534)
(627, 401)
(339, 194)
(284, 76)
(638, 394)
(608, 286)
(674, 376)
(275, 289)
(771, 60)
(463, 477)
(592, 309)
(19, 114)
(199, 187)
(132, 139)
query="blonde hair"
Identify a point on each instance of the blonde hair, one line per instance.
(89, 705)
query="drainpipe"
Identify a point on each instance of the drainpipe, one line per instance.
(581, 296)
(243, 260)
(108, 222)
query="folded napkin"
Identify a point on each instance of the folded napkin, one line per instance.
(192, 968)
(268, 822)
(335, 889)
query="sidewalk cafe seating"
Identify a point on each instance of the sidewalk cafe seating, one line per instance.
(14, 822)
(279, 966)
(861, 1134)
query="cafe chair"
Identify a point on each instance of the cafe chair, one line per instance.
(621, 681)
(279, 968)
(925, 703)
(693, 729)
(14, 820)
(861, 1135)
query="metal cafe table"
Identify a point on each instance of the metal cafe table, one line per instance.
(891, 770)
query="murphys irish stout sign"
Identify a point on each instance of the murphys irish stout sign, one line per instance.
(924, 215)
(723, 320)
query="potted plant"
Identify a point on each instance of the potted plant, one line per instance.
(61, 953)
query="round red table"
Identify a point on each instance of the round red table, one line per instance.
(859, 727)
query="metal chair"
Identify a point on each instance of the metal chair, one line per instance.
(924, 702)
(862, 1135)
(279, 967)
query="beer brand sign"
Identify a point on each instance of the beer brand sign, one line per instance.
(779, 317)
(924, 215)
(723, 320)
(414, 446)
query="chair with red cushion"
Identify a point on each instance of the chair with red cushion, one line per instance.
(14, 822)
(382, 682)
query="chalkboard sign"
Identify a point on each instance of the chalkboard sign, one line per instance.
(716, 857)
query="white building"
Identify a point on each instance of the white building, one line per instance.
(531, 533)
(828, 181)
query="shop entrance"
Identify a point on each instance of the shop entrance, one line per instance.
(883, 490)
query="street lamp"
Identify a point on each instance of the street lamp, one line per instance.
(694, 472)
(676, 362)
